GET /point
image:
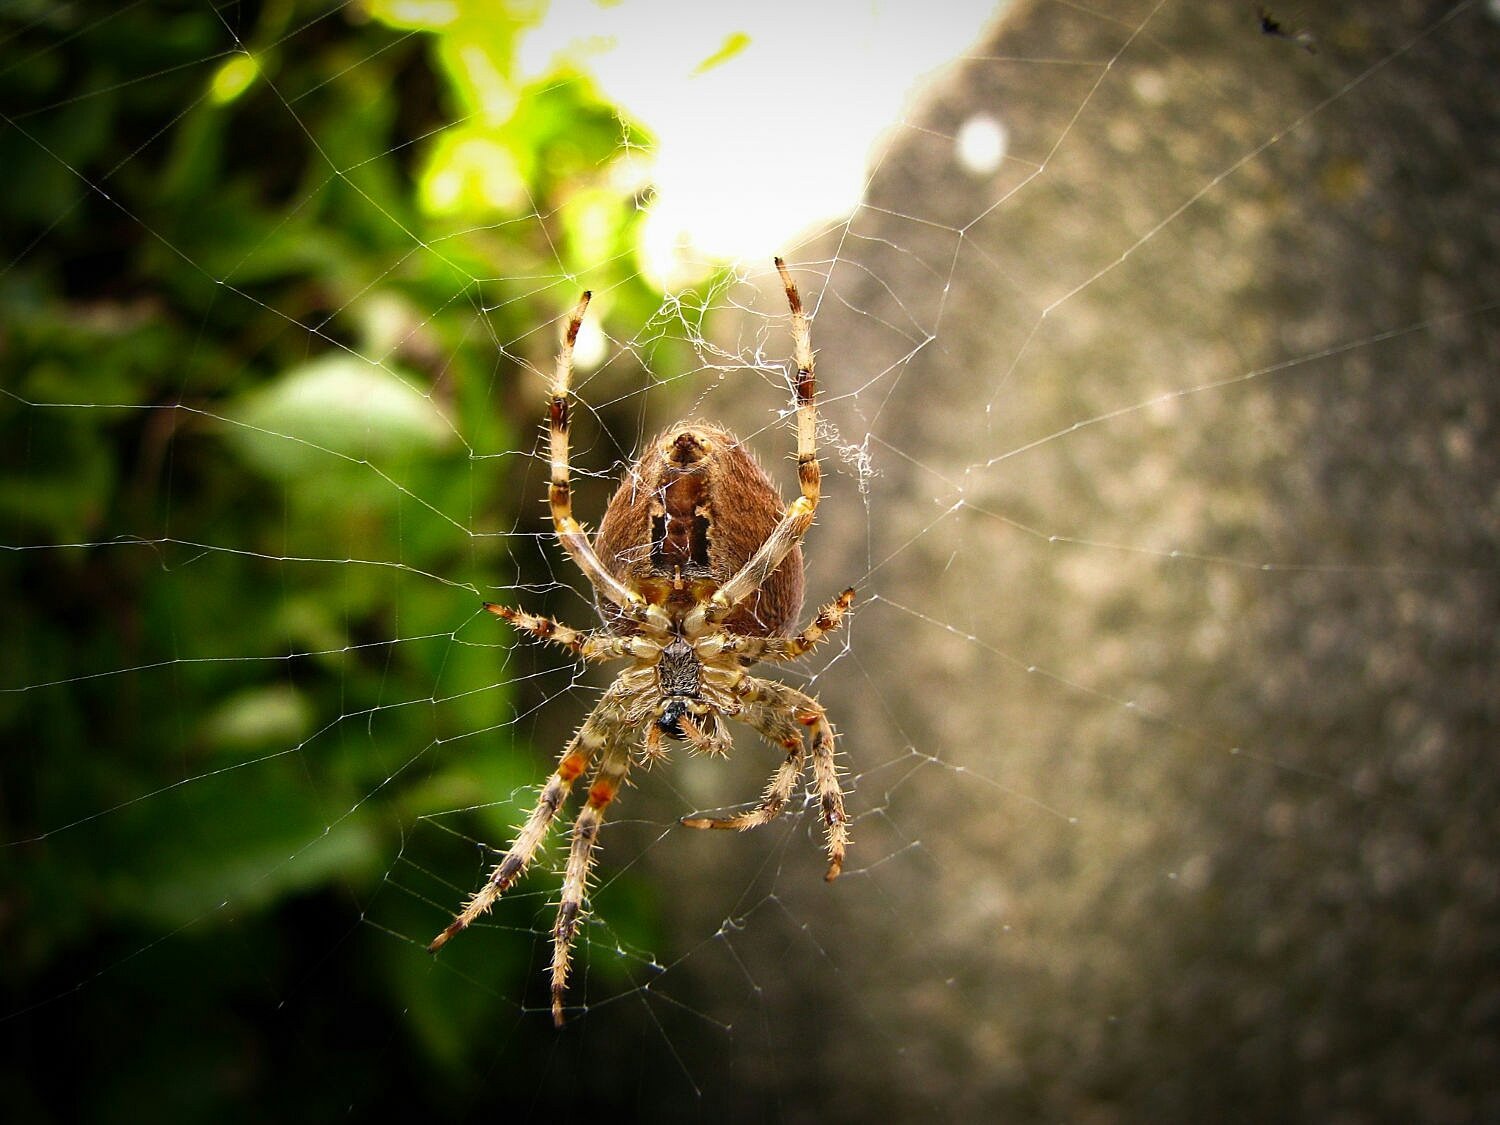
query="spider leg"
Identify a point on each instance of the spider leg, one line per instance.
(569, 532)
(830, 795)
(586, 646)
(829, 618)
(543, 628)
(798, 516)
(809, 712)
(785, 706)
(778, 728)
(591, 736)
(652, 750)
(708, 738)
(607, 780)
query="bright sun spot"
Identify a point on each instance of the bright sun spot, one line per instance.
(766, 117)
(591, 346)
(981, 144)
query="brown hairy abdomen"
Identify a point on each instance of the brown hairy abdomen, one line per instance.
(703, 514)
(680, 521)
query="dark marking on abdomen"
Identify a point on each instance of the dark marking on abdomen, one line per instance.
(679, 532)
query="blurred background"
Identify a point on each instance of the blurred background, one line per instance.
(1158, 346)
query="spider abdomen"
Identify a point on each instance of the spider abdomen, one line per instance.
(688, 515)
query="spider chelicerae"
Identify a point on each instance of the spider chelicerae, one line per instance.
(697, 568)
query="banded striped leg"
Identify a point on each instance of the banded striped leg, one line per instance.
(591, 736)
(778, 728)
(799, 514)
(809, 712)
(569, 532)
(829, 618)
(787, 705)
(587, 646)
(607, 781)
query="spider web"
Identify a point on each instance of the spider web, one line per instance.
(1158, 440)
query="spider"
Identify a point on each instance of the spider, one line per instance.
(697, 572)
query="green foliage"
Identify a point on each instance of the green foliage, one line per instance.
(256, 333)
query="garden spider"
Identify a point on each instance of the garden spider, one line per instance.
(697, 568)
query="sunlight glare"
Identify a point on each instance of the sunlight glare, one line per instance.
(759, 144)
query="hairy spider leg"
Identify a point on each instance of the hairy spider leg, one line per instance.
(809, 712)
(829, 618)
(652, 750)
(798, 516)
(779, 730)
(587, 646)
(830, 796)
(559, 493)
(607, 780)
(768, 707)
(718, 742)
(580, 751)
(543, 628)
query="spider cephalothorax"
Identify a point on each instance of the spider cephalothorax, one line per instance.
(697, 569)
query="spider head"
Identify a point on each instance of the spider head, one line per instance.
(673, 710)
(691, 721)
(669, 721)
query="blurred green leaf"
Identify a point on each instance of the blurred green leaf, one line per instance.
(245, 838)
(337, 404)
(259, 718)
